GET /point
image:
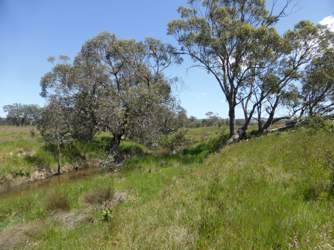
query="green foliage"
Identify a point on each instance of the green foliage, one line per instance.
(129, 149)
(107, 214)
(41, 159)
(256, 67)
(21, 154)
(22, 114)
(175, 142)
(317, 122)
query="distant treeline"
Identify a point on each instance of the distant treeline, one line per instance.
(210, 121)
(21, 114)
(18, 114)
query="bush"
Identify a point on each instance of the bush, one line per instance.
(317, 122)
(57, 201)
(175, 142)
(99, 196)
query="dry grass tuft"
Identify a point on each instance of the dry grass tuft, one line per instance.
(99, 196)
(57, 202)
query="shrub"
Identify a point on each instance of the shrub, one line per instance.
(57, 201)
(99, 196)
(72, 153)
(318, 122)
(175, 142)
(21, 173)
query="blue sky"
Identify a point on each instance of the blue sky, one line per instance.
(30, 31)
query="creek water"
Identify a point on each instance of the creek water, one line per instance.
(10, 190)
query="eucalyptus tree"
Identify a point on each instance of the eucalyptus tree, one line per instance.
(135, 92)
(22, 114)
(279, 77)
(55, 128)
(118, 86)
(316, 95)
(14, 113)
(229, 39)
(89, 79)
(304, 43)
(318, 90)
(56, 124)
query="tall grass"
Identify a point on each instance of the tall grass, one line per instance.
(271, 192)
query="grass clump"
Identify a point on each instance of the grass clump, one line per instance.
(57, 202)
(41, 159)
(99, 195)
(128, 149)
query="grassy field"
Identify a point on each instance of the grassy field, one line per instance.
(17, 144)
(271, 192)
(22, 151)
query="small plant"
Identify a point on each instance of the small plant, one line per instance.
(21, 173)
(57, 201)
(107, 214)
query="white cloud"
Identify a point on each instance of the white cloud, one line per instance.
(329, 22)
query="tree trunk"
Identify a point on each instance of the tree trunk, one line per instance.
(116, 140)
(113, 157)
(231, 115)
(259, 125)
(58, 159)
(271, 117)
(269, 121)
(248, 119)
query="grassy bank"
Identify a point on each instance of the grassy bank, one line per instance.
(17, 145)
(22, 151)
(271, 192)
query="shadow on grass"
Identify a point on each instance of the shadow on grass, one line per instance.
(195, 154)
(133, 154)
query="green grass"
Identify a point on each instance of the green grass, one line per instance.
(271, 192)
(203, 134)
(22, 152)
(17, 144)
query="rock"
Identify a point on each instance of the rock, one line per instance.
(235, 138)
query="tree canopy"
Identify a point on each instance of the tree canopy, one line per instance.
(236, 41)
(117, 86)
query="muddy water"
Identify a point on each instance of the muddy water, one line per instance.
(53, 181)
